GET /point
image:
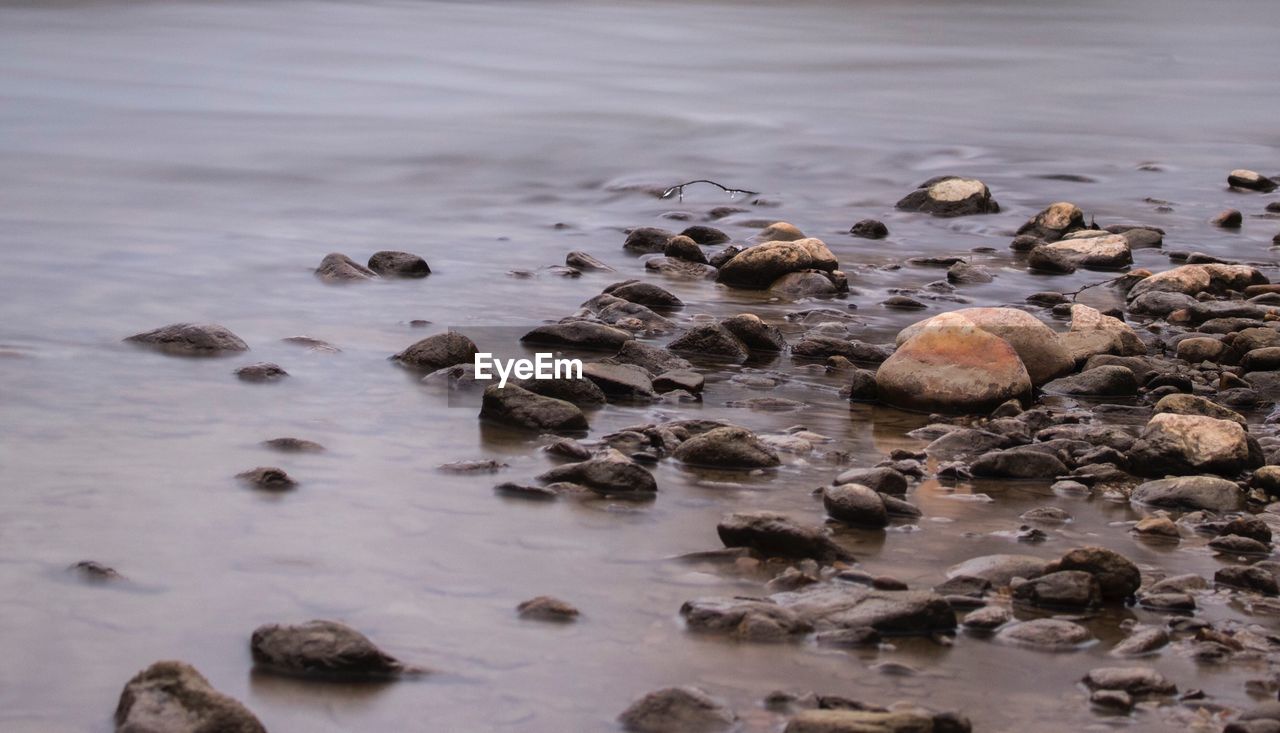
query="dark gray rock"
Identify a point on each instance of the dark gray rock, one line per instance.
(776, 535)
(611, 475)
(705, 235)
(1073, 589)
(579, 335)
(263, 371)
(339, 268)
(625, 381)
(711, 341)
(269, 478)
(398, 264)
(1118, 578)
(1190, 493)
(881, 479)
(1247, 577)
(727, 447)
(677, 710)
(643, 293)
(191, 339)
(1101, 381)
(512, 405)
(172, 697)
(583, 261)
(293, 445)
(855, 504)
(823, 347)
(581, 392)
(1250, 181)
(547, 608)
(647, 240)
(439, 351)
(654, 359)
(746, 620)
(1018, 463)
(758, 336)
(869, 229)
(324, 649)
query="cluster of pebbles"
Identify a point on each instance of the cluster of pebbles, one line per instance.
(1161, 401)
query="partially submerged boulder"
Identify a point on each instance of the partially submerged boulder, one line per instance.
(677, 710)
(339, 268)
(1186, 444)
(1195, 279)
(950, 196)
(756, 268)
(325, 649)
(439, 351)
(1190, 493)
(727, 447)
(512, 405)
(191, 339)
(172, 697)
(1035, 343)
(777, 535)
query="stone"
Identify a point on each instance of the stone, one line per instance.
(610, 475)
(1118, 578)
(583, 261)
(1157, 528)
(1056, 221)
(1141, 642)
(862, 386)
(1115, 700)
(1231, 544)
(1266, 359)
(903, 302)
(1248, 526)
(388, 263)
(727, 447)
(1190, 493)
(758, 267)
(869, 229)
(950, 196)
(653, 359)
(1127, 342)
(999, 570)
(1018, 463)
(547, 608)
(339, 268)
(172, 697)
(873, 721)
(1064, 589)
(263, 371)
(954, 366)
(624, 314)
(705, 235)
(642, 293)
(1137, 681)
(1247, 577)
(712, 341)
(963, 273)
(964, 444)
(269, 478)
(987, 618)
(1101, 381)
(625, 381)
(855, 504)
(647, 240)
(312, 344)
(1050, 634)
(780, 231)
(684, 248)
(1250, 180)
(1229, 219)
(677, 710)
(1187, 444)
(191, 339)
(776, 535)
(324, 649)
(814, 346)
(579, 335)
(1109, 252)
(1187, 404)
(744, 619)
(581, 392)
(842, 607)
(758, 336)
(1194, 279)
(1158, 304)
(512, 405)
(679, 379)
(1046, 515)
(438, 352)
(1036, 345)
(881, 479)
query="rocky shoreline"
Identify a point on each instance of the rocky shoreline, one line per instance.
(1161, 401)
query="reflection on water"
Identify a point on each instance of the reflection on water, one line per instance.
(179, 161)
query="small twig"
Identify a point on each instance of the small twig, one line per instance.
(1074, 293)
(679, 189)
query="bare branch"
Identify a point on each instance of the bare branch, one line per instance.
(679, 189)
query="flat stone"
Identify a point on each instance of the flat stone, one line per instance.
(325, 649)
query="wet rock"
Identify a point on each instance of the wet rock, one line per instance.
(339, 268)
(1195, 279)
(1035, 344)
(950, 196)
(1168, 602)
(1161, 528)
(952, 365)
(398, 264)
(537, 493)
(882, 479)
(1117, 576)
(172, 697)
(777, 535)
(963, 273)
(583, 261)
(579, 335)
(312, 344)
(1108, 252)
(1190, 493)
(1160, 304)
(1064, 589)
(727, 447)
(842, 607)
(1250, 180)
(1046, 515)
(855, 504)
(1261, 360)
(872, 721)
(1050, 634)
(1229, 219)
(612, 475)
(293, 445)
(269, 478)
(1089, 320)
(1102, 381)
(780, 231)
(824, 347)
(624, 314)
(1248, 526)
(647, 240)
(999, 570)
(758, 267)
(439, 351)
(263, 371)
(95, 572)
(512, 405)
(1186, 404)
(1236, 545)
(679, 379)
(547, 608)
(684, 248)
(1018, 463)
(1179, 584)
(988, 618)
(1247, 577)
(191, 339)
(581, 392)
(1056, 221)
(1140, 642)
(899, 508)
(758, 336)
(1184, 444)
(964, 444)
(808, 284)
(324, 649)
(645, 294)
(625, 381)
(653, 359)
(711, 340)
(477, 466)
(869, 229)
(677, 710)
(862, 386)
(717, 259)
(705, 235)
(1137, 681)
(743, 619)
(902, 302)
(1115, 700)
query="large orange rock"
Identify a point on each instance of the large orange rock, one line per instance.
(1037, 345)
(950, 364)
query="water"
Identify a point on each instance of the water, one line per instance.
(179, 161)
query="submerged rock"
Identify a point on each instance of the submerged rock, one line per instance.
(267, 477)
(643, 293)
(727, 447)
(389, 263)
(1045, 633)
(519, 407)
(324, 649)
(191, 339)
(777, 535)
(677, 710)
(293, 445)
(999, 570)
(950, 196)
(438, 352)
(578, 334)
(339, 268)
(612, 475)
(876, 721)
(869, 229)
(263, 371)
(1137, 681)
(1062, 589)
(547, 608)
(172, 697)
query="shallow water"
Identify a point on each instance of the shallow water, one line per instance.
(187, 161)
